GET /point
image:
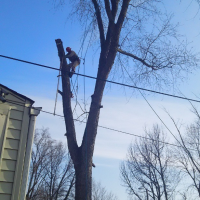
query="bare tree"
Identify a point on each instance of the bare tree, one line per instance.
(51, 174)
(188, 155)
(100, 193)
(149, 173)
(150, 51)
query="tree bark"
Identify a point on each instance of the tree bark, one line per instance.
(82, 156)
(83, 184)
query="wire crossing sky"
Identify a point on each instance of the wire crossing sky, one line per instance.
(104, 127)
(29, 30)
(117, 83)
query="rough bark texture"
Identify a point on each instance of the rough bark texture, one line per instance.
(109, 18)
(82, 156)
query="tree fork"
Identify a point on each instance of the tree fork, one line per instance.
(81, 156)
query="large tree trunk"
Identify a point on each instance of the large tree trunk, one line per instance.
(82, 156)
(109, 32)
(83, 172)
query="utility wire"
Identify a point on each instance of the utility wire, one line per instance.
(139, 88)
(117, 83)
(104, 127)
(32, 63)
(154, 110)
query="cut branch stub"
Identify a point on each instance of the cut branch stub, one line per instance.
(61, 52)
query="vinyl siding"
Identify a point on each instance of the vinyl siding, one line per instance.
(13, 138)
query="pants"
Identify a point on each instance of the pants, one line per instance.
(73, 65)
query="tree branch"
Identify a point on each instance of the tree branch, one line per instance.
(122, 14)
(99, 21)
(66, 96)
(115, 4)
(108, 11)
(70, 187)
(137, 58)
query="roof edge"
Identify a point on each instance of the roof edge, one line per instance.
(23, 96)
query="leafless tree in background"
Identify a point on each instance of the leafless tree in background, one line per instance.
(188, 155)
(150, 52)
(51, 175)
(149, 172)
(100, 193)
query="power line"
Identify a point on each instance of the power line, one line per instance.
(104, 127)
(154, 110)
(113, 82)
(32, 63)
(119, 131)
(139, 88)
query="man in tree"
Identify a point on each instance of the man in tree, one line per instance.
(75, 61)
(154, 61)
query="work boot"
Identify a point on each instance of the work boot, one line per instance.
(60, 92)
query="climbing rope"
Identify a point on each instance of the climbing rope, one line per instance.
(61, 63)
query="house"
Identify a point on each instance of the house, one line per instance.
(17, 124)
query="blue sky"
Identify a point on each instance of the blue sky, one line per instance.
(28, 30)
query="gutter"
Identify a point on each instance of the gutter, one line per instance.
(34, 112)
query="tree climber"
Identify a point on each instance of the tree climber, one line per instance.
(75, 61)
